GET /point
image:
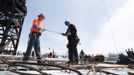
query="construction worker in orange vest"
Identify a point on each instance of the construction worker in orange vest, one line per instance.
(34, 36)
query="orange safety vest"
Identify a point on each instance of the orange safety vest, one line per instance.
(37, 23)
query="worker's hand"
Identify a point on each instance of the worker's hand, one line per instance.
(63, 34)
(43, 29)
(39, 34)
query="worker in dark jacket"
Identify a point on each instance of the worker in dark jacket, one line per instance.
(73, 40)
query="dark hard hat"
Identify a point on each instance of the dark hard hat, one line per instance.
(67, 22)
(41, 15)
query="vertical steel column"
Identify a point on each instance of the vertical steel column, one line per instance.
(12, 14)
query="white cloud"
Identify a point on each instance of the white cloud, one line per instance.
(122, 24)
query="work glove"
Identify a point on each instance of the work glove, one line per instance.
(43, 29)
(63, 34)
(39, 34)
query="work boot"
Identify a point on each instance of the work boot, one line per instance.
(39, 61)
(69, 62)
(75, 62)
(25, 59)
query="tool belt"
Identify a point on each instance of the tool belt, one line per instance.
(32, 33)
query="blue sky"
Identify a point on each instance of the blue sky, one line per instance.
(90, 19)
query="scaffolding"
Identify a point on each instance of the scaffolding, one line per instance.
(12, 14)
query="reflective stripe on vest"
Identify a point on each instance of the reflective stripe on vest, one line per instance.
(37, 23)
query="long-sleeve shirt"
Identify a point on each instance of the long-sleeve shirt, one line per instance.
(71, 33)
